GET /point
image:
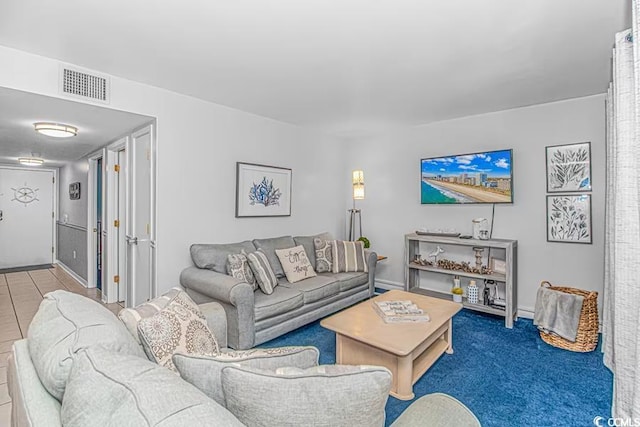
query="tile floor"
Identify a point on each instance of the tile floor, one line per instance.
(20, 296)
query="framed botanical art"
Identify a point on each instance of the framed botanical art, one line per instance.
(262, 190)
(569, 168)
(569, 218)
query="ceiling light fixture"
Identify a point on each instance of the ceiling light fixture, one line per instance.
(56, 130)
(31, 161)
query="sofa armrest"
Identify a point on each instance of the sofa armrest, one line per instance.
(372, 261)
(216, 320)
(31, 404)
(235, 296)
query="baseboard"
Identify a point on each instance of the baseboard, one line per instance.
(72, 273)
(389, 285)
(526, 313)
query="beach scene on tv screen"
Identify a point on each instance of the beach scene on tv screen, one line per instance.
(469, 178)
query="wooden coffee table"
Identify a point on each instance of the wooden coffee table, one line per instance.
(406, 349)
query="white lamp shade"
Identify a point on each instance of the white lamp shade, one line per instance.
(358, 185)
(55, 130)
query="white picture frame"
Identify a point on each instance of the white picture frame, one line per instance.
(569, 168)
(569, 218)
(262, 191)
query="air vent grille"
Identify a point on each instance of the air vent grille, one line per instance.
(85, 85)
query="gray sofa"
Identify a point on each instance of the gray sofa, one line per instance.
(254, 317)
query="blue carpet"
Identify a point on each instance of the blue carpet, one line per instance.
(507, 377)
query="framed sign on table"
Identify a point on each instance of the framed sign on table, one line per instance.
(262, 190)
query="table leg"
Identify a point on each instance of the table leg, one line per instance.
(449, 349)
(338, 349)
(404, 380)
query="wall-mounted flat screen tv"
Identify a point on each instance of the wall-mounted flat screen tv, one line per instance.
(469, 178)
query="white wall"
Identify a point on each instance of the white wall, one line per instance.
(392, 208)
(198, 146)
(76, 210)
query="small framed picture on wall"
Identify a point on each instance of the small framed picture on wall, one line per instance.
(569, 218)
(569, 168)
(74, 191)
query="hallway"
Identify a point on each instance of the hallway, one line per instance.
(20, 296)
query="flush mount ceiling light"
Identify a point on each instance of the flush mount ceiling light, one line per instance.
(31, 161)
(56, 130)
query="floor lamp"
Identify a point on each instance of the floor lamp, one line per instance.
(358, 194)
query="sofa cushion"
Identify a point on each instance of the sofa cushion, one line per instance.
(309, 248)
(348, 256)
(282, 300)
(108, 389)
(214, 256)
(348, 281)
(238, 267)
(204, 372)
(295, 264)
(319, 396)
(179, 327)
(67, 323)
(132, 316)
(314, 288)
(262, 271)
(269, 247)
(324, 255)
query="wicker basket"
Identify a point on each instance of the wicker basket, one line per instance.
(587, 338)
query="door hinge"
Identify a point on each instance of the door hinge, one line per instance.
(53, 179)
(53, 214)
(52, 249)
(148, 229)
(148, 154)
(116, 168)
(116, 279)
(116, 223)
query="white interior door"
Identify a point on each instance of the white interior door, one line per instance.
(26, 217)
(139, 218)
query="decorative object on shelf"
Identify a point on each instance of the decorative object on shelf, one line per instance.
(435, 254)
(74, 191)
(480, 228)
(569, 168)
(421, 261)
(569, 218)
(472, 292)
(478, 251)
(400, 311)
(365, 242)
(456, 291)
(498, 266)
(357, 181)
(262, 190)
(462, 266)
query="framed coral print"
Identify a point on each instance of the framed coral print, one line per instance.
(569, 168)
(569, 218)
(262, 190)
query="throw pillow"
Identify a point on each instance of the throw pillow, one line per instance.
(324, 256)
(238, 267)
(110, 389)
(345, 396)
(262, 271)
(348, 256)
(132, 316)
(295, 263)
(204, 372)
(179, 327)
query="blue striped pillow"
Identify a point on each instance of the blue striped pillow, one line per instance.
(262, 271)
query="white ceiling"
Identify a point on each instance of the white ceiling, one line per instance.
(97, 127)
(343, 66)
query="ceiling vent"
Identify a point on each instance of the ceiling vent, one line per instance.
(85, 85)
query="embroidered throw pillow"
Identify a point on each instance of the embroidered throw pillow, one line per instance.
(324, 257)
(348, 256)
(132, 316)
(238, 267)
(262, 271)
(180, 327)
(295, 264)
